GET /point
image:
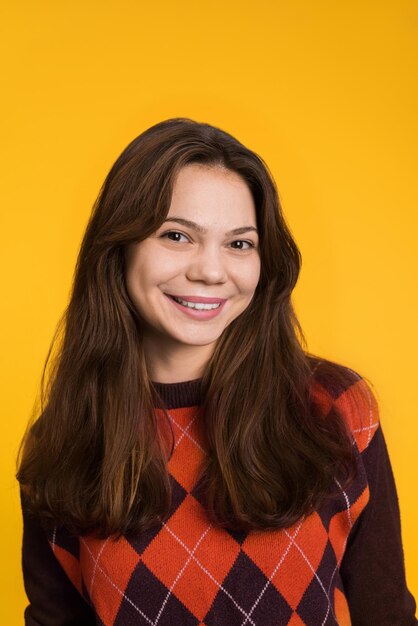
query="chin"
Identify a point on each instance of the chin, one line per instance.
(204, 341)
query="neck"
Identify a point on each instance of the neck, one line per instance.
(168, 363)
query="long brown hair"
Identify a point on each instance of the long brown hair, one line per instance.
(94, 460)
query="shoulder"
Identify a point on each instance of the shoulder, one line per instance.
(340, 388)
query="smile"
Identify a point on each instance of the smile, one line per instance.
(199, 306)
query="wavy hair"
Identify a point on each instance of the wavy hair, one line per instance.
(94, 459)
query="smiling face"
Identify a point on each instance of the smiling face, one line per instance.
(199, 271)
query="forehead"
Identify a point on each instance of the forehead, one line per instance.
(211, 193)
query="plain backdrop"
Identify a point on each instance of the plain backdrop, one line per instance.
(326, 92)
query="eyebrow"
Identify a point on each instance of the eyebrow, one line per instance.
(189, 224)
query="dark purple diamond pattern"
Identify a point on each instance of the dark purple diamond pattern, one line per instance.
(242, 589)
(150, 597)
(314, 603)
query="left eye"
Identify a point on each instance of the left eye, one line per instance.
(242, 245)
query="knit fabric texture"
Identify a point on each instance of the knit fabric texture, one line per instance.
(190, 572)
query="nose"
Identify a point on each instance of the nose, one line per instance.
(207, 265)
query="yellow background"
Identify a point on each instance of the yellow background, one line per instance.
(325, 91)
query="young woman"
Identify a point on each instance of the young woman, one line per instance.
(191, 464)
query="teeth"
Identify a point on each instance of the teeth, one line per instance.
(197, 305)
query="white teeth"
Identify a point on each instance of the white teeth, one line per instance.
(197, 305)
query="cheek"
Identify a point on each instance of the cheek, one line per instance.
(252, 276)
(138, 279)
(151, 270)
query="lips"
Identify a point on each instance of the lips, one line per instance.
(197, 299)
(197, 307)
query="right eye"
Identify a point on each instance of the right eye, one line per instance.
(174, 235)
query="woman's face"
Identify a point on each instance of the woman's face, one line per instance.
(199, 270)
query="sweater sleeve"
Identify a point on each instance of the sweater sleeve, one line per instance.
(372, 570)
(53, 599)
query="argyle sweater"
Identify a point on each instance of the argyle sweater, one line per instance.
(342, 564)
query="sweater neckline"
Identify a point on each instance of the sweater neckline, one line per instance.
(178, 395)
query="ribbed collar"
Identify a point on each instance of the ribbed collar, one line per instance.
(178, 395)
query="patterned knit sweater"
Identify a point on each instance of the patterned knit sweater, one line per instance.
(342, 565)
